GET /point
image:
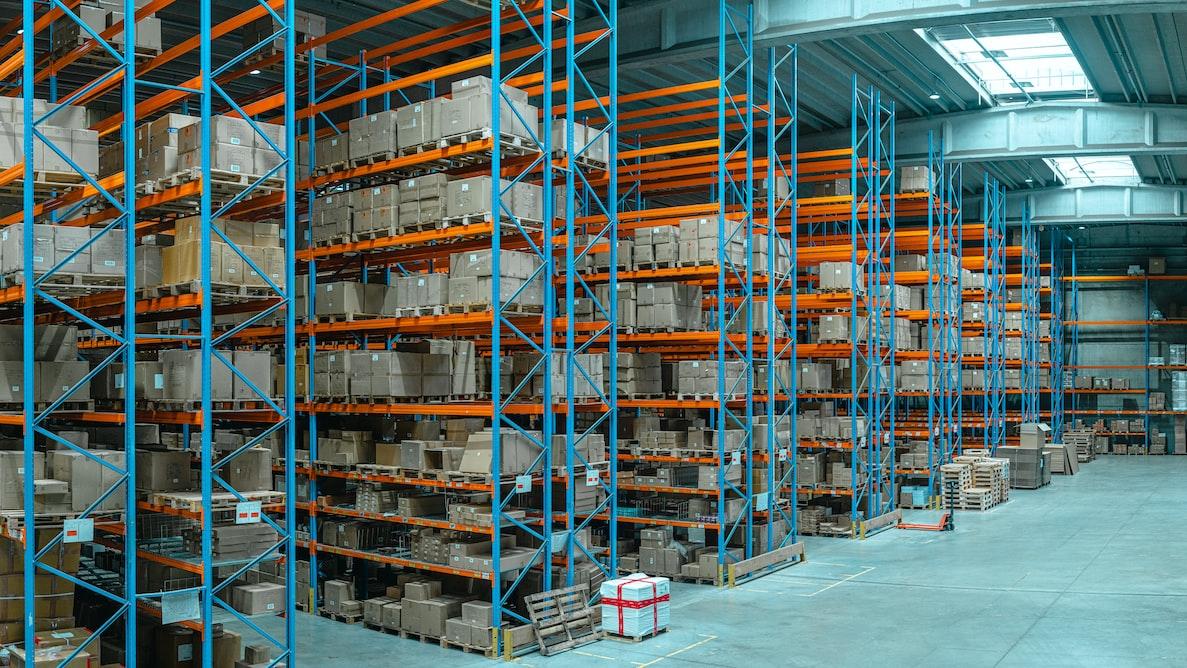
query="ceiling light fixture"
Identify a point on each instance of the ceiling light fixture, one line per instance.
(255, 71)
(933, 96)
(21, 31)
(1029, 180)
(1083, 227)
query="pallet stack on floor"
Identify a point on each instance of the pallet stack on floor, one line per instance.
(981, 482)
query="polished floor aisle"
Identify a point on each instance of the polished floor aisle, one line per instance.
(1089, 571)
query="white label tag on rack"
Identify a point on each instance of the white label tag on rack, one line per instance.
(180, 607)
(761, 501)
(735, 457)
(559, 539)
(783, 454)
(523, 483)
(592, 478)
(248, 512)
(81, 530)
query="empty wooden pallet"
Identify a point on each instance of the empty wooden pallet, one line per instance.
(562, 619)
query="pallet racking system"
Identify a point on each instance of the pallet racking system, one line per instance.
(678, 166)
(1147, 329)
(694, 167)
(858, 228)
(987, 407)
(941, 315)
(115, 314)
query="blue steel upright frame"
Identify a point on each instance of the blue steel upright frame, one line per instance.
(871, 356)
(1072, 342)
(944, 288)
(782, 402)
(1057, 335)
(735, 218)
(993, 216)
(506, 223)
(215, 347)
(579, 244)
(38, 289)
(1030, 319)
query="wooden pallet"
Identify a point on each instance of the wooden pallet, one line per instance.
(562, 619)
(374, 158)
(346, 317)
(468, 648)
(192, 501)
(339, 617)
(610, 635)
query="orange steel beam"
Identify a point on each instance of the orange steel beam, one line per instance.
(166, 98)
(15, 45)
(75, 195)
(1123, 279)
(50, 65)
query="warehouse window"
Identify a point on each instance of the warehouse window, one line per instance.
(1112, 169)
(1014, 60)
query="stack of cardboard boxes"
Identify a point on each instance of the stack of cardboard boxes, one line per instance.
(430, 368)
(66, 129)
(471, 279)
(422, 201)
(669, 306)
(102, 259)
(307, 27)
(98, 16)
(54, 596)
(257, 241)
(639, 374)
(700, 377)
(57, 368)
(238, 150)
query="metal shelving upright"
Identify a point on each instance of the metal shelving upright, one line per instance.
(872, 238)
(858, 228)
(43, 534)
(735, 202)
(781, 393)
(943, 303)
(596, 228)
(993, 365)
(216, 346)
(1030, 308)
(136, 87)
(1057, 334)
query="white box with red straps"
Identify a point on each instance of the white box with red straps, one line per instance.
(636, 605)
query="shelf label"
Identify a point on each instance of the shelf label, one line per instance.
(81, 530)
(784, 455)
(523, 483)
(735, 457)
(179, 607)
(761, 501)
(559, 539)
(592, 478)
(248, 512)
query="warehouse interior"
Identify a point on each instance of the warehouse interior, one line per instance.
(580, 332)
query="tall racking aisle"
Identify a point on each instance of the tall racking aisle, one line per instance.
(148, 514)
(1125, 379)
(705, 479)
(929, 389)
(847, 239)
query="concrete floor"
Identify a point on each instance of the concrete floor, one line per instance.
(1091, 570)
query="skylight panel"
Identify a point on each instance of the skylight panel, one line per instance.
(1083, 170)
(1016, 59)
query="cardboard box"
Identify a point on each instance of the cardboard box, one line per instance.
(258, 599)
(163, 471)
